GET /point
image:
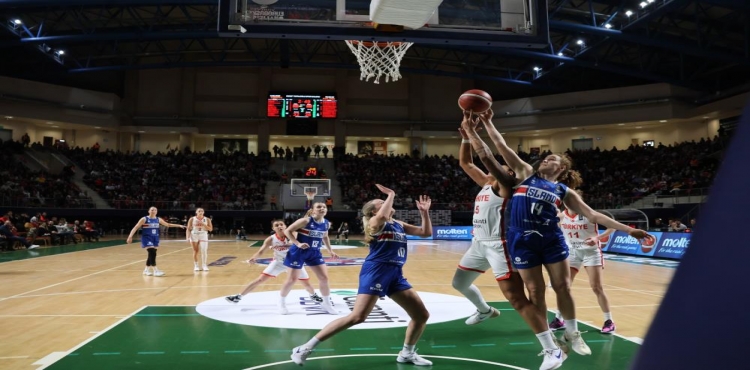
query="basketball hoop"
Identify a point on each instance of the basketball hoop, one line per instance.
(378, 58)
(310, 193)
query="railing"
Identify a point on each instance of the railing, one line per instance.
(43, 202)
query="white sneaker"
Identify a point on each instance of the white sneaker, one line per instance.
(326, 306)
(413, 358)
(205, 268)
(478, 317)
(553, 359)
(196, 268)
(158, 273)
(283, 310)
(299, 355)
(576, 343)
(33, 246)
(147, 272)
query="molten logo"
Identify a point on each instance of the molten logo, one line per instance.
(676, 243)
(626, 239)
(453, 232)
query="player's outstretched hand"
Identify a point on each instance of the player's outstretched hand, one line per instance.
(486, 116)
(592, 241)
(334, 255)
(385, 190)
(130, 240)
(423, 203)
(303, 246)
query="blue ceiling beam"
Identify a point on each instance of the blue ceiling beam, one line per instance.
(118, 36)
(535, 55)
(641, 40)
(306, 65)
(657, 12)
(98, 3)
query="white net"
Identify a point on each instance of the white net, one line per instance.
(377, 59)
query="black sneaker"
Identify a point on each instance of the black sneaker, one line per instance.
(234, 298)
(315, 297)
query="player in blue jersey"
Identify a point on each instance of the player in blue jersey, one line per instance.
(149, 226)
(381, 275)
(308, 235)
(535, 238)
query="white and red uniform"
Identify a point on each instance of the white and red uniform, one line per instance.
(199, 233)
(488, 246)
(280, 249)
(577, 229)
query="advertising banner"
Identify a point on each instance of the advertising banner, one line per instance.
(452, 232)
(666, 245)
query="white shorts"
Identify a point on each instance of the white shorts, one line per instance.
(585, 257)
(484, 254)
(275, 268)
(201, 236)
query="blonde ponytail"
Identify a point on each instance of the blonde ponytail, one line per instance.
(367, 210)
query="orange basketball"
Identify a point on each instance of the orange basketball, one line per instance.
(647, 245)
(604, 240)
(477, 101)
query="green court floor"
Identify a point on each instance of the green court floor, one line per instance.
(179, 338)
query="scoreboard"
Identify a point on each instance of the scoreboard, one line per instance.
(302, 105)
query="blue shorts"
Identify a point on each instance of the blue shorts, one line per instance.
(529, 248)
(381, 279)
(298, 257)
(148, 241)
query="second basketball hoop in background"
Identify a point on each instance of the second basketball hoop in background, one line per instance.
(477, 101)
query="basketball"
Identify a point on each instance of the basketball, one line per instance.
(477, 101)
(647, 245)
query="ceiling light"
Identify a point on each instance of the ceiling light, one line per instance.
(662, 120)
(141, 132)
(643, 4)
(620, 124)
(17, 22)
(8, 117)
(387, 138)
(213, 135)
(628, 13)
(60, 52)
(650, 1)
(579, 42)
(97, 127)
(607, 26)
(560, 53)
(638, 126)
(49, 123)
(537, 69)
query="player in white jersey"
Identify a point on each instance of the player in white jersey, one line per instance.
(584, 241)
(280, 246)
(488, 246)
(196, 232)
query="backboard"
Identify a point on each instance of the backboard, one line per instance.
(298, 187)
(488, 23)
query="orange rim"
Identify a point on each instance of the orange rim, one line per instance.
(369, 44)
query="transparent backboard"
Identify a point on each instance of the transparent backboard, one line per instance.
(495, 23)
(298, 187)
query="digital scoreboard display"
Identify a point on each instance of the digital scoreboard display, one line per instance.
(302, 105)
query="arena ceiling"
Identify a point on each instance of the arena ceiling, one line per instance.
(702, 45)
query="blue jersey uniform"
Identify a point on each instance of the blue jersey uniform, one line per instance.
(534, 237)
(150, 232)
(381, 273)
(312, 234)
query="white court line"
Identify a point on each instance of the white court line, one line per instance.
(85, 276)
(623, 305)
(95, 336)
(30, 315)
